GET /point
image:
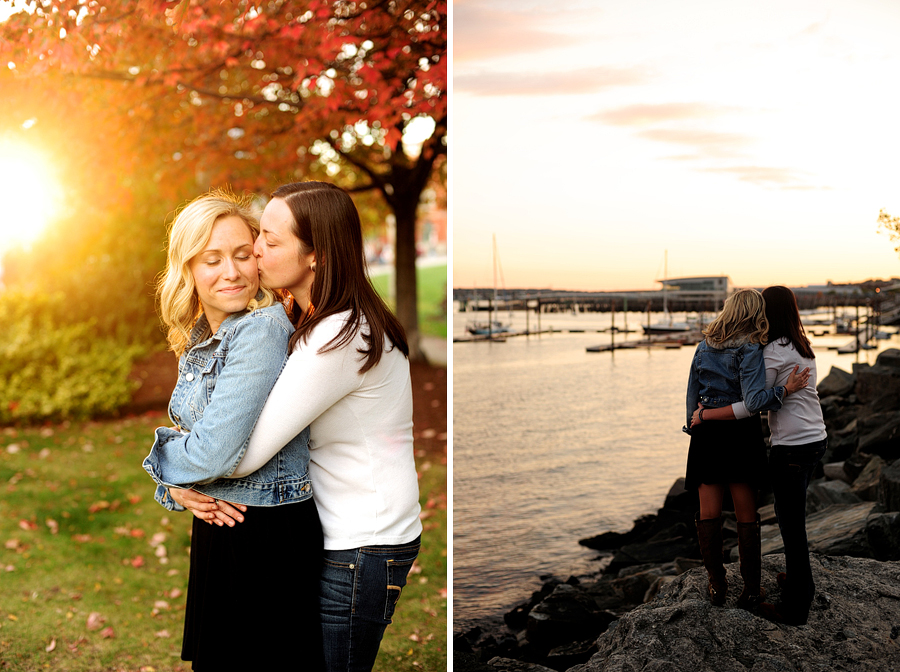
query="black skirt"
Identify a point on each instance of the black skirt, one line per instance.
(727, 451)
(253, 592)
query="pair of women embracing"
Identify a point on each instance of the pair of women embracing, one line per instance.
(749, 362)
(292, 443)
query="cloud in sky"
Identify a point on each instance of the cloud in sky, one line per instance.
(565, 82)
(705, 143)
(648, 115)
(482, 32)
(767, 176)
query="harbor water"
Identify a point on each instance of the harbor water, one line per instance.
(552, 444)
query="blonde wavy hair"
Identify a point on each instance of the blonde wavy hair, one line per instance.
(179, 305)
(743, 316)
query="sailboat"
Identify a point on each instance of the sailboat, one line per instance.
(491, 326)
(667, 325)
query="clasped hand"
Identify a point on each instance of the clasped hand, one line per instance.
(209, 509)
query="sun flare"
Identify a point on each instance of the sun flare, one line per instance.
(28, 190)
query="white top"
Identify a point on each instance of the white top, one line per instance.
(800, 419)
(361, 443)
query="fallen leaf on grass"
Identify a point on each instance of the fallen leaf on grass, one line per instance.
(107, 633)
(137, 561)
(162, 634)
(98, 506)
(95, 620)
(53, 525)
(50, 646)
(10, 568)
(73, 647)
(12, 448)
(11, 544)
(137, 534)
(27, 525)
(161, 604)
(134, 499)
(443, 593)
(414, 637)
(82, 538)
(175, 593)
(44, 454)
(12, 617)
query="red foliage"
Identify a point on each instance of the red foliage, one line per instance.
(202, 93)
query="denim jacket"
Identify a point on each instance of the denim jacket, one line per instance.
(725, 375)
(223, 382)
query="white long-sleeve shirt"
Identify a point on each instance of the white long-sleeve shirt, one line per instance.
(361, 444)
(799, 420)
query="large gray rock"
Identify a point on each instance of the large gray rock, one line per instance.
(883, 531)
(889, 358)
(837, 382)
(510, 665)
(868, 483)
(880, 433)
(879, 388)
(889, 497)
(853, 626)
(835, 471)
(568, 614)
(821, 494)
(837, 530)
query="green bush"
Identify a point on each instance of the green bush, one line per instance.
(52, 370)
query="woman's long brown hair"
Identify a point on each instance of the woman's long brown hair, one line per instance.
(784, 319)
(326, 222)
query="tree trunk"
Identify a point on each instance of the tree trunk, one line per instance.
(406, 287)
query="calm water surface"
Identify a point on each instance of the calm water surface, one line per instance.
(552, 444)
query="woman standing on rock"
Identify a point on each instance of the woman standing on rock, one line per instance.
(728, 367)
(798, 443)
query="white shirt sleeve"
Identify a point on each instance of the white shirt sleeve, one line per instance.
(310, 383)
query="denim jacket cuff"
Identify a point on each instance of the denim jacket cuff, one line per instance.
(165, 499)
(780, 393)
(151, 463)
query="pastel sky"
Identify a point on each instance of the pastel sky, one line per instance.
(751, 139)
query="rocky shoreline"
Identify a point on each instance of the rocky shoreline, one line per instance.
(647, 610)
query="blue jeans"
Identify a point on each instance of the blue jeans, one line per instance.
(791, 468)
(357, 596)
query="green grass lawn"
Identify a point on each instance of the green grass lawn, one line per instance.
(93, 572)
(432, 297)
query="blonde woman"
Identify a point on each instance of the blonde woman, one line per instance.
(252, 599)
(728, 367)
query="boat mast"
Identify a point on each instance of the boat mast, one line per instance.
(665, 277)
(491, 307)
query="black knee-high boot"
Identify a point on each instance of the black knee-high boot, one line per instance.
(709, 534)
(751, 565)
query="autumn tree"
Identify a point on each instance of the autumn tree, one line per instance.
(890, 225)
(257, 94)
